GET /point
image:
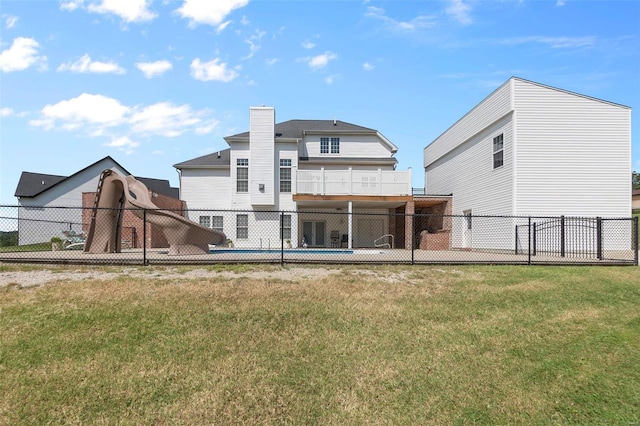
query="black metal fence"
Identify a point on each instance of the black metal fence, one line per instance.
(330, 236)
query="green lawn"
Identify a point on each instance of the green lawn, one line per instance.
(381, 345)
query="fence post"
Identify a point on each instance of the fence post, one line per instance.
(144, 237)
(636, 242)
(599, 237)
(516, 250)
(281, 238)
(529, 241)
(562, 236)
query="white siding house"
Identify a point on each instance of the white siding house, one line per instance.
(532, 150)
(300, 172)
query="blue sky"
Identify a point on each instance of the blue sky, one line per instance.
(154, 83)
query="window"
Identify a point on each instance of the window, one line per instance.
(242, 226)
(498, 151)
(285, 175)
(242, 177)
(324, 145)
(286, 227)
(217, 223)
(335, 145)
(205, 221)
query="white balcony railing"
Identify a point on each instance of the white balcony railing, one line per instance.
(353, 182)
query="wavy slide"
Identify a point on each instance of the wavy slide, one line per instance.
(116, 193)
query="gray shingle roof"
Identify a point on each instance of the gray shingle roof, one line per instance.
(216, 159)
(293, 129)
(31, 184)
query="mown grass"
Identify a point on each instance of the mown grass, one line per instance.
(27, 247)
(385, 345)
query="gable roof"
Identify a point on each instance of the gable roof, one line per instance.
(220, 159)
(32, 184)
(295, 129)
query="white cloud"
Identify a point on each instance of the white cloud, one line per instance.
(123, 143)
(560, 3)
(368, 66)
(460, 12)
(127, 10)
(419, 22)
(330, 79)
(212, 71)
(71, 5)
(6, 112)
(553, 42)
(252, 41)
(10, 21)
(245, 20)
(164, 119)
(101, 116)
(271, 61)
(22, 54)
(209, 12)
(86, 65)
(320, 61)
(308, 44)
(86, 110)
(154, 69)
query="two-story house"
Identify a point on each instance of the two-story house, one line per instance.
(296, 181)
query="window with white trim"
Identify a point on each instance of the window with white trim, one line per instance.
(498, 151)
(286, 227)
(217, 223)
(324, 145)
(285, 175)
(242, 226)
(205, 221)
(242, 175)
(335, 145)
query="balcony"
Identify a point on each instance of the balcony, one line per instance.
(353, 182)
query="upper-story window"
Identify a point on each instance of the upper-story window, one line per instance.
(242, 175)
(335, 145)
(329, 145)
(498, 151)
(285, 175)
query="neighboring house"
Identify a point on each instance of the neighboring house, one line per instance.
(530, 149)
(635, 199)
(49, 204)
(314, 171)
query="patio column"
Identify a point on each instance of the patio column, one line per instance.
(350, 225)
(408, 224)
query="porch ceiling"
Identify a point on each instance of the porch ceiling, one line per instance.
(342, 201)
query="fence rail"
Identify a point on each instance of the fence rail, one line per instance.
(313, 236)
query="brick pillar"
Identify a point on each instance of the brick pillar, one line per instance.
(408, 224)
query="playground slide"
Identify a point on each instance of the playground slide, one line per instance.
(116, 193)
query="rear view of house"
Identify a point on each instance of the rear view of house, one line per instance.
(532, 150)
(296, 180)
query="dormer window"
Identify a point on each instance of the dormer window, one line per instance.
(329, 145)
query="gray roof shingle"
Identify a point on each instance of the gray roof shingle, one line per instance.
(293, 129)
(216, 159)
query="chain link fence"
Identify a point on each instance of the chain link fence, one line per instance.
(332, 236)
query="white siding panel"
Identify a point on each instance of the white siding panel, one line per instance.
(573, 154)
(358, 146)
(490, 110)
(467, 172)
(206, 189)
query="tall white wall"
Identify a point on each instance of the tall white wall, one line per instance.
(261, 159)
(573, 154)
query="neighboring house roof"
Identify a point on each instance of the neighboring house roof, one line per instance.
(33, 184)
(220, 159)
